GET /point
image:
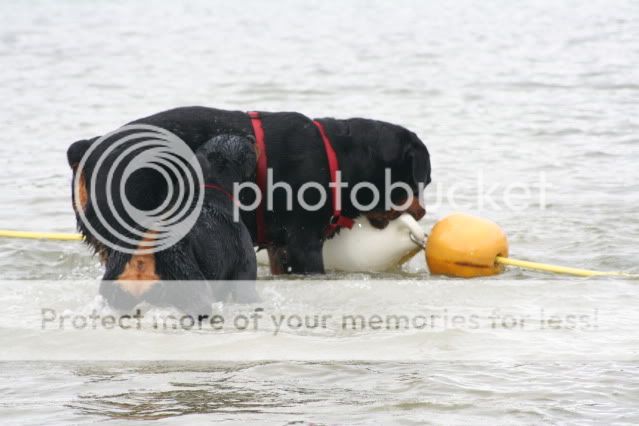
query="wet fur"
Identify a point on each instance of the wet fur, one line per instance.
(296, 154)
(217, 249)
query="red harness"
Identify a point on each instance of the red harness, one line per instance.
(219, 189)
(337, 221)
(260, 215)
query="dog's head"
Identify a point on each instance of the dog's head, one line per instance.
(228, 158)
(371, 149)
(126, 183)
(407, 157)
(99, 192)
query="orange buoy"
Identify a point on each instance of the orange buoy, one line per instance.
(462, 245)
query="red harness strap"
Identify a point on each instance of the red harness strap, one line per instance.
(220, 189)
(337, 220)
(260, 220)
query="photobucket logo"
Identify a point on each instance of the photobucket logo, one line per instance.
(480, 194)
(144, 151)
(483, 194)
(321, 197)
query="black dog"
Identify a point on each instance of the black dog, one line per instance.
(296, 155)
(217, 248)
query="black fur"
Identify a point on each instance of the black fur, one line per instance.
(216, 249)
(296, 155)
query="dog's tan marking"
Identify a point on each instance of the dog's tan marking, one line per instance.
(139, 274)
(81, 196)
(381, 219)
(415, 209)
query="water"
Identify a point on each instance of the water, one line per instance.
(517, 96)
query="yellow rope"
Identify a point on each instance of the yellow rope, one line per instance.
(557, 269)
(60, 236)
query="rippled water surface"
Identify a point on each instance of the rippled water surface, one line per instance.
(530, 112)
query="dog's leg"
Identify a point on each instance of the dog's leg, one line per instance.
(278, 259)
(244, 288)
(304, 251)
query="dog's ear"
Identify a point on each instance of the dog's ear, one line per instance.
(77, 150)
(242, 153)
(231, 151)
(256, 149)
(249, 157)
(417, 160)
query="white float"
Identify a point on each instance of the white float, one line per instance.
(365, 248)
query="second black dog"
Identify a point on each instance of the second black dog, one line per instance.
(200, 268)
